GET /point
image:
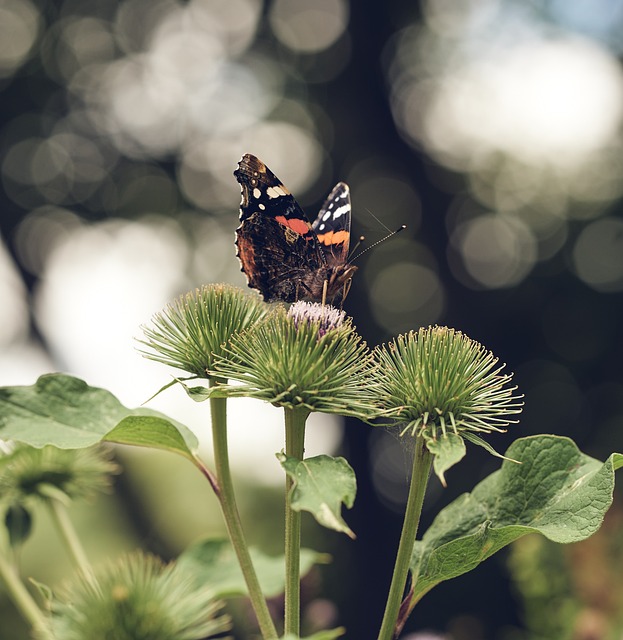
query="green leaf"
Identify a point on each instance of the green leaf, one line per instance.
(18, 523)
(448, 450)
(214, 563)
(472, 437)
(60, 410)
(201, 393)
(155, 432)
(556, 491)
(66, 412)
(168, 385)
(330, 634)
(198, 393)
(321, 485)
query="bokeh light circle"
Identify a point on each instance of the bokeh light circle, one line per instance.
(405, 295)
(598, 255)
(20, 23)
(530, 114)
(205, 173)
(308, 27)
(496, 251)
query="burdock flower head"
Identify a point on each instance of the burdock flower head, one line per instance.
(446, 388)
(308, 357)
(28, 473)
(51, 476)
(138, 597)
(192, 331)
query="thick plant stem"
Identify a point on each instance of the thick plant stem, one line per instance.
(21, 598)
(225, 494)
(295, 447)
(422, 460)
(56, 502)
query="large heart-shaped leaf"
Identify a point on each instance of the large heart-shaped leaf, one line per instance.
(66, 412)
(556, 491)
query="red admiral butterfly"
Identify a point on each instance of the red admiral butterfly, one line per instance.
(284, 256)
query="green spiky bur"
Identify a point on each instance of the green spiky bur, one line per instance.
(28, 472)
(137, 598)
(195, 329)
(308, 357)
(446, 387)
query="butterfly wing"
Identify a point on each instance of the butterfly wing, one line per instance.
(276, 244)
(332, 225)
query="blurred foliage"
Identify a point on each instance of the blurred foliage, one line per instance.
(574, 592)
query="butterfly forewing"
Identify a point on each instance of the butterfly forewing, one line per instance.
(264, 194)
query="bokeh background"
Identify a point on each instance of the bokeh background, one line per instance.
(491, 128)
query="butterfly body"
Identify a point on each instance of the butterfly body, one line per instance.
(284, 256)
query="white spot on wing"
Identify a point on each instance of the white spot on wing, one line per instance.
(257, 193)
(341, 211)
(276, 192)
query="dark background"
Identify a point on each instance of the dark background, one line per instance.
(514, 234)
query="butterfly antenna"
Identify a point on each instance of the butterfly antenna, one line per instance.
(354, 249)
(389, 235)
(381, 223)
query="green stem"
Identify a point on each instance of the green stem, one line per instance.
(422, 460)
(295, 447)
(225, 494)
(21, 598)
(56, 501)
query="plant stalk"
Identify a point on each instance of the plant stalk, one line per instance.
(225, 494)
(21, 597)
(60, 517)
(422, 460)
(295, 447)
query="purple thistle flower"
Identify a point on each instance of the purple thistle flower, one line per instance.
(327, 317)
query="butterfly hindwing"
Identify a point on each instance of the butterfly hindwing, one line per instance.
(332, 225)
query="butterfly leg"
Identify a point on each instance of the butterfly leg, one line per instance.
(324, 292)
(346, 289)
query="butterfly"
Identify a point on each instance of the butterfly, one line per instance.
(283, 255)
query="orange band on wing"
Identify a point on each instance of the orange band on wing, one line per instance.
(334, 237)
(301, 227)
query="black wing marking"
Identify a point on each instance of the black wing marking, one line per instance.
(264, 193)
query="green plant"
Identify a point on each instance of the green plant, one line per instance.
(437, 385)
